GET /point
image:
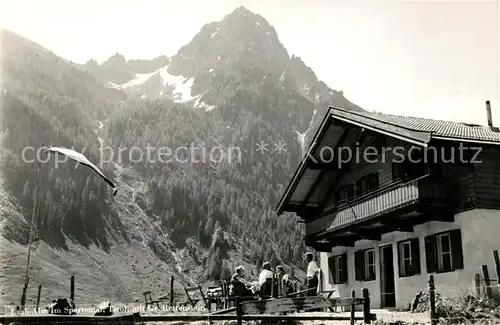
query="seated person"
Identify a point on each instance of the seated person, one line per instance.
(287, 284)
(265, 275)
(239, 286)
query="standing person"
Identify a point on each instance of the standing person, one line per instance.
(313, 272)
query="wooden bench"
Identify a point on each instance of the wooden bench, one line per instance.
(298, 304)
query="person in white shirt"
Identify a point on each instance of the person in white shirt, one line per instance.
(313, 273)
(265, 274)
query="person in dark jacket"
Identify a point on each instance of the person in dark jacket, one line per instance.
(239, 286)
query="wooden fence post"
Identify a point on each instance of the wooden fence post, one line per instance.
(497, 267)
(477, 284)
(487, 282)
(38, 298)
(353, 307)
(238, 310)
(366, 306)
(272, 286)
(172, 291)
(23, 297)
(72, 289)
(280, 285)
(432, 300)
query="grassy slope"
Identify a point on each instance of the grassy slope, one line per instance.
(129, 269)
(121, 275)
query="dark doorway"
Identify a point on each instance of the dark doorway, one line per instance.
(387, 286)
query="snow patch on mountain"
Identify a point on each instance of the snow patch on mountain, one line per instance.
(214, 33)
(139, 79)
(199, 104)
(181, 86)
(301, 137)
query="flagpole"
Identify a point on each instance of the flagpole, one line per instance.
(33, 227)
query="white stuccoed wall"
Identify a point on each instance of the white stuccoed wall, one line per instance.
(480, 236)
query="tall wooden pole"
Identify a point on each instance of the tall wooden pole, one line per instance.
(33, 227)
(353, 307)
(38, 298)
(366, 306)
(432, 300)
(72, 289)
(172, 291)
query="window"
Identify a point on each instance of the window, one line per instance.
(372, 182)
(358, 187)
(363, 185)
(413, 166)
(370, 265)
(364, 262)
(338, 269)
(399, 170)
(342, 195)
(443, 252)
(346, 193)
(409, 257)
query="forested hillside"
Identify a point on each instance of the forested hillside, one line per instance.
(233, 87)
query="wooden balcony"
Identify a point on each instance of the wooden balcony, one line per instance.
(395, 200)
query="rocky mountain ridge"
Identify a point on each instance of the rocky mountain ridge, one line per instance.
(234, 84)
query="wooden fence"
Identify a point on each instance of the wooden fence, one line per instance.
(268, 309)
(484, 284)
(278, 307)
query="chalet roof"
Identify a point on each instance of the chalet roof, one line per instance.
(414, 130)
(438, 128)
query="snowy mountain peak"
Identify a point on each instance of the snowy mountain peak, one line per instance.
(242, 46)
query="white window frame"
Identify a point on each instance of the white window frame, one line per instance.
(338, 268)
(368, 265)
(440, 253)
(403, 258)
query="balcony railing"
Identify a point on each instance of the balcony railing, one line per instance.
(379, 203)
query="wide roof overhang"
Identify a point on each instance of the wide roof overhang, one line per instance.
(312, 183)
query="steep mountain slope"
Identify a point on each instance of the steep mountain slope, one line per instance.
(232, 89)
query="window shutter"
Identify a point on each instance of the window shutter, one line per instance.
(456, 249)
(430, 254)
(343, 260)
(415, 256)
(359, 265)
(331, 266)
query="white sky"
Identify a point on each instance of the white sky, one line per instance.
(427, 58)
